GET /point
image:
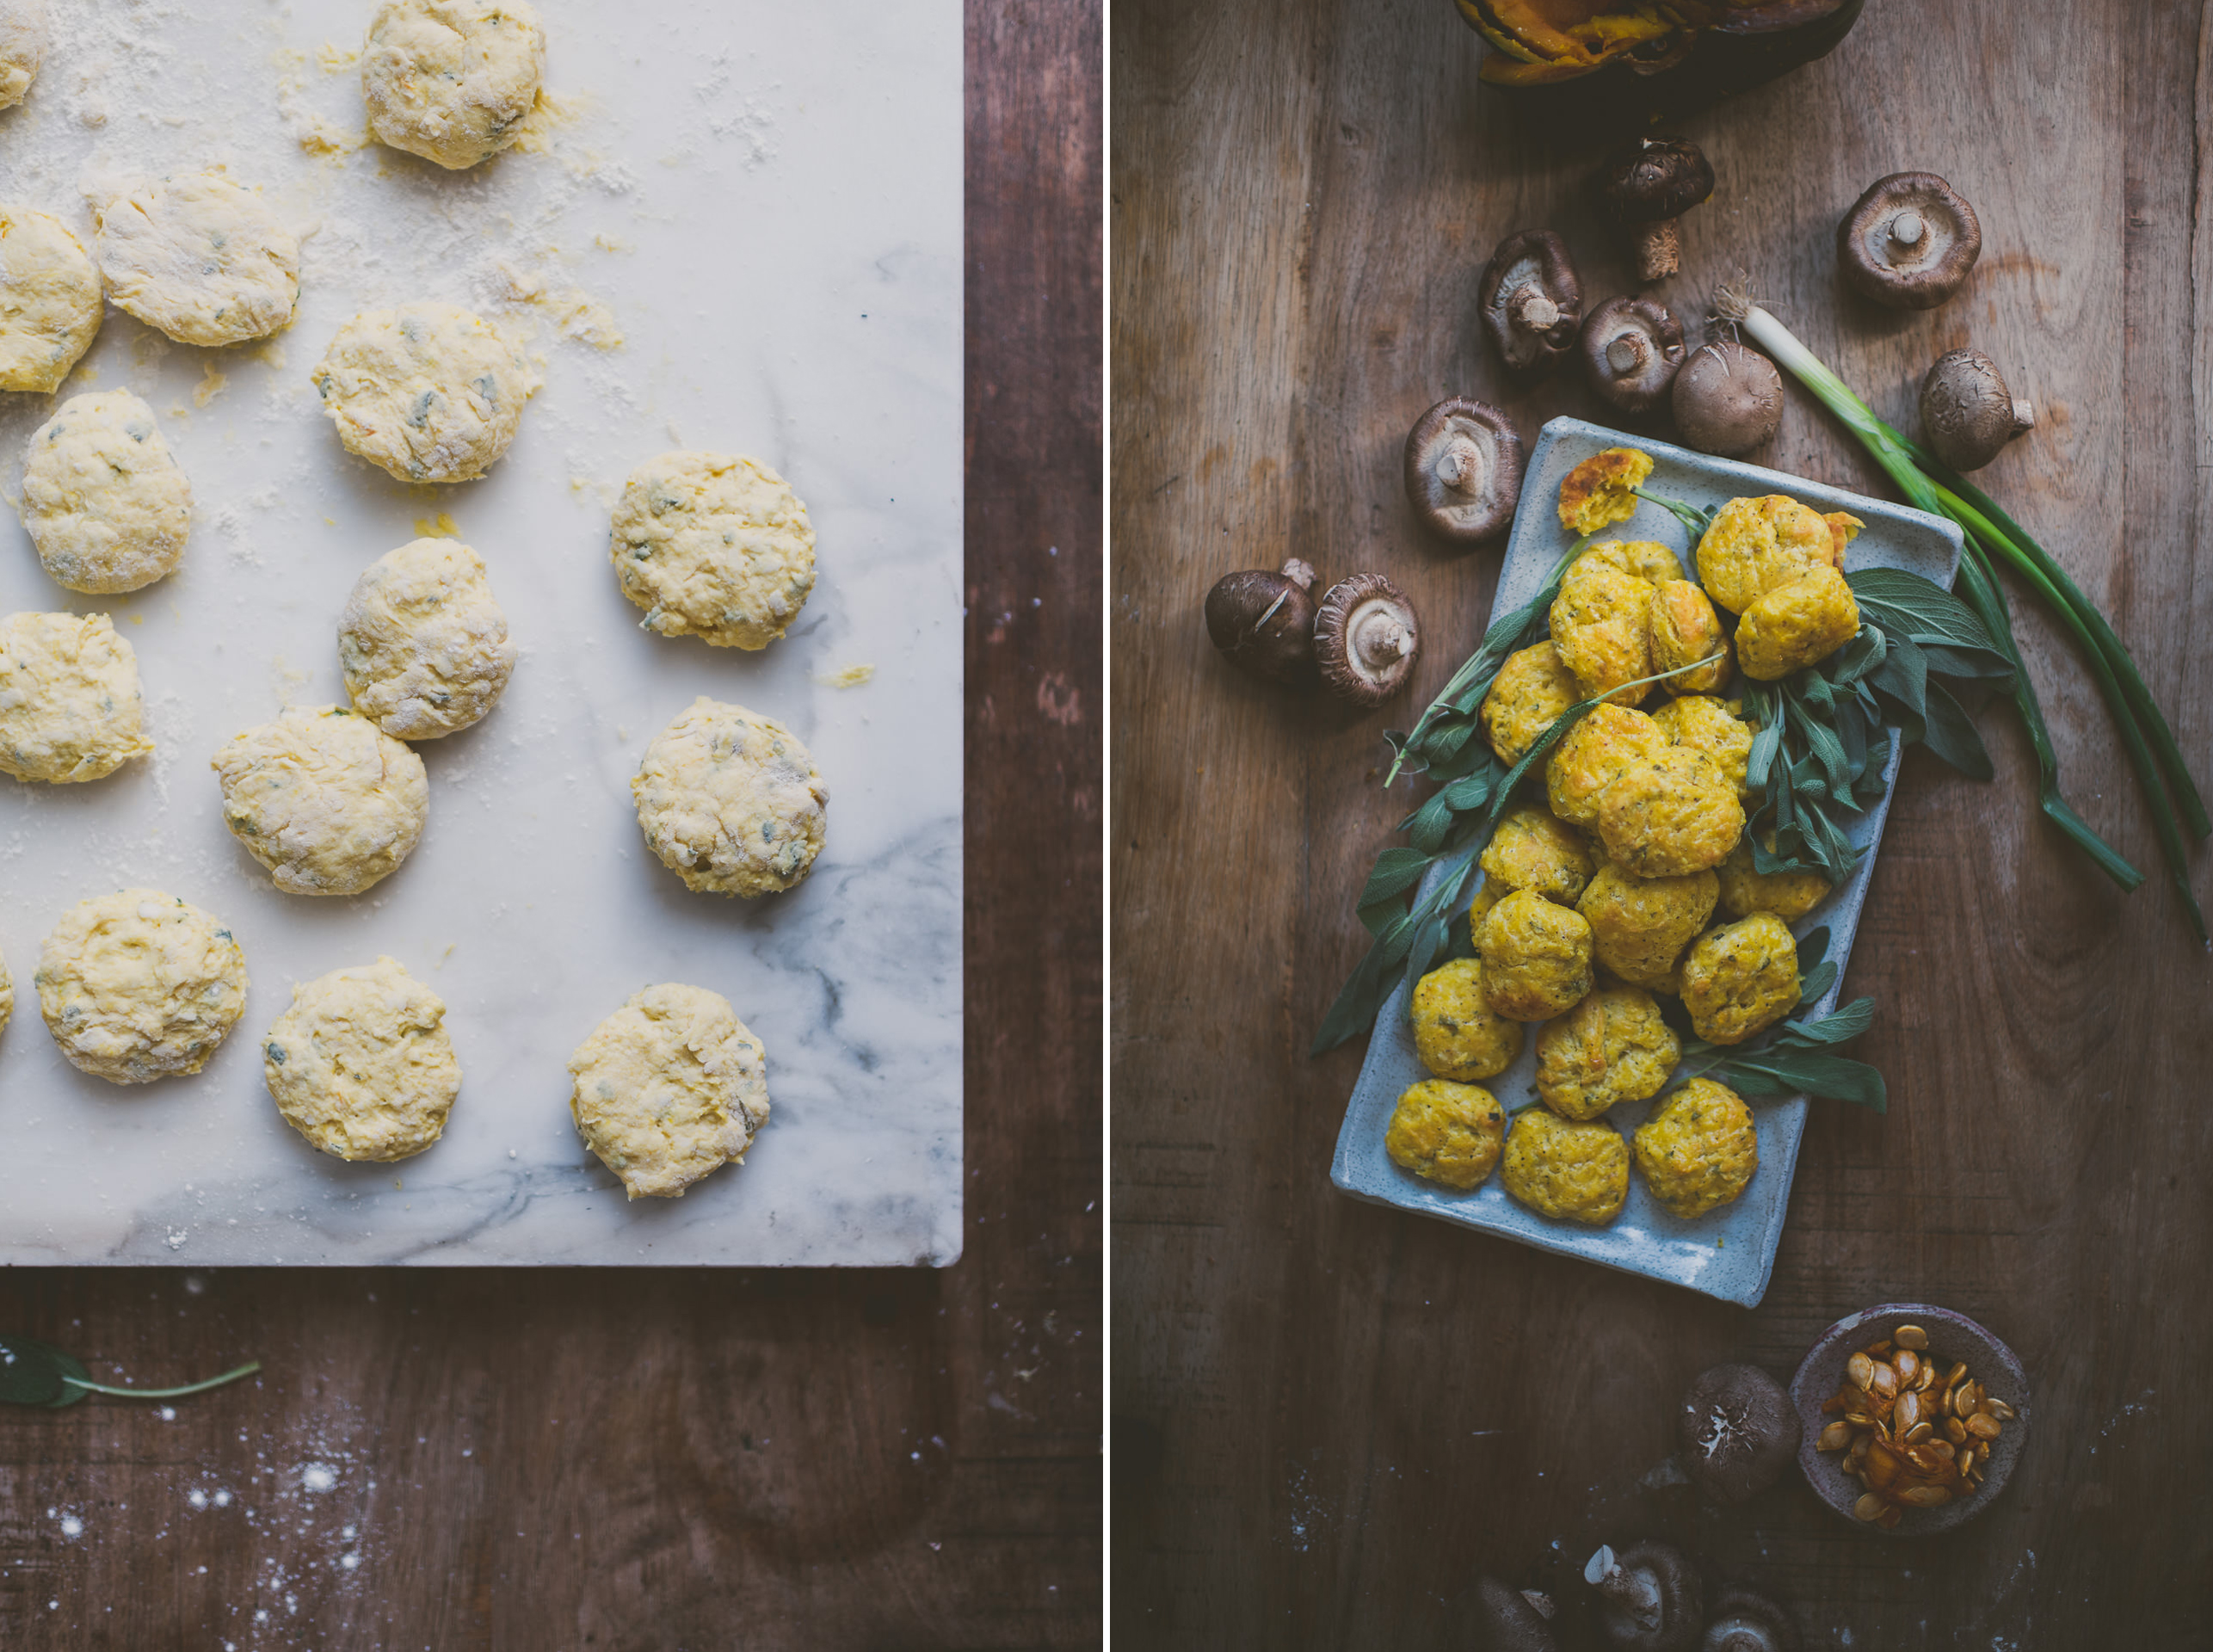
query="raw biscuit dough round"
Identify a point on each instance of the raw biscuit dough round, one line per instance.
(422, 642)
(427, 392)
(714, 545)
(450, 80)
(730, 801)
(200, 258)
(22, 48)
(7, 995)
(103, 502)
(139, 985)
(326, 800)
(70, 707)
(669, 1088)
(361, 1064)
(50, 298)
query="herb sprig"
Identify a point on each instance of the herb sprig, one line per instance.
(1824, 732)
(1798, 1057)
(33, 1372)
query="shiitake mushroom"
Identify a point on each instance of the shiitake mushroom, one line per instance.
(1366, 640)
(1727, 398)
(1263, 622)
(1738, 1432)
(1463, 469)
(1967, 412)
(1650, 1598)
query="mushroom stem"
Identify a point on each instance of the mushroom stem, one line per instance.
(1627, 353)
(2025, 416)
(1378, 638)
(1534, 310)
(1636, 1592)
(1658, 248)
(1460, 466)
(1908, 229)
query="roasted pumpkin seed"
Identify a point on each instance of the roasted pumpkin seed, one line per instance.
(1910, 1336)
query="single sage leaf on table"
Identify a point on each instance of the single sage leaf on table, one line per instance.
(36, 1373)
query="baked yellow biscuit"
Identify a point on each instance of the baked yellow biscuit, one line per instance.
(1536, 957)
(1447, 1133)
(1640, 926)
(1527, 697)
(1669, 814)
(1601, 623)
(1756, 546)
(1789, 895)
(1456, 1032)
(1532, 848)
(1797, 626)
(1612, 1047)
(1605, 742)
(1566, 1170)
(1698, 1148)
(1685, 630)
(1702, 723)
(1740, 978)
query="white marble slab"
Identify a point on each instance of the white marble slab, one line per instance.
(767, 199)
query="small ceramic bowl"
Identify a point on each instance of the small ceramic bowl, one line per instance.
(1952, 1337)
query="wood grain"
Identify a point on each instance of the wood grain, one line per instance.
(1331, 1418)
(654, 1460)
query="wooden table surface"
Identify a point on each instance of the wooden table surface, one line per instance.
(655, 1459)
(1329, 1418)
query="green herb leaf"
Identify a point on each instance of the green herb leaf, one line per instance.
(1813, 985)
(1842, 1027)
(1949, 733)
(33, 1372)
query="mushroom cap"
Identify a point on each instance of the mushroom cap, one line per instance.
(1531, 263)
(1655, 178)
(1738, 1431)
(1967, 412)
(1882, 259)
(1631, 347)
(1464, 463)
(1366, 640)
(1650, 1598)
(1263, 622)
(1508, 1622)
(1741, 1621)
(1727, 398)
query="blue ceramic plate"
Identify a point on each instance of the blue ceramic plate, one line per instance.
(1727, 1253)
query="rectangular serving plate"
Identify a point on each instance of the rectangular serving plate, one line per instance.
(1728, 1253)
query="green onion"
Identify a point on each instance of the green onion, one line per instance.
(1992, 537)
